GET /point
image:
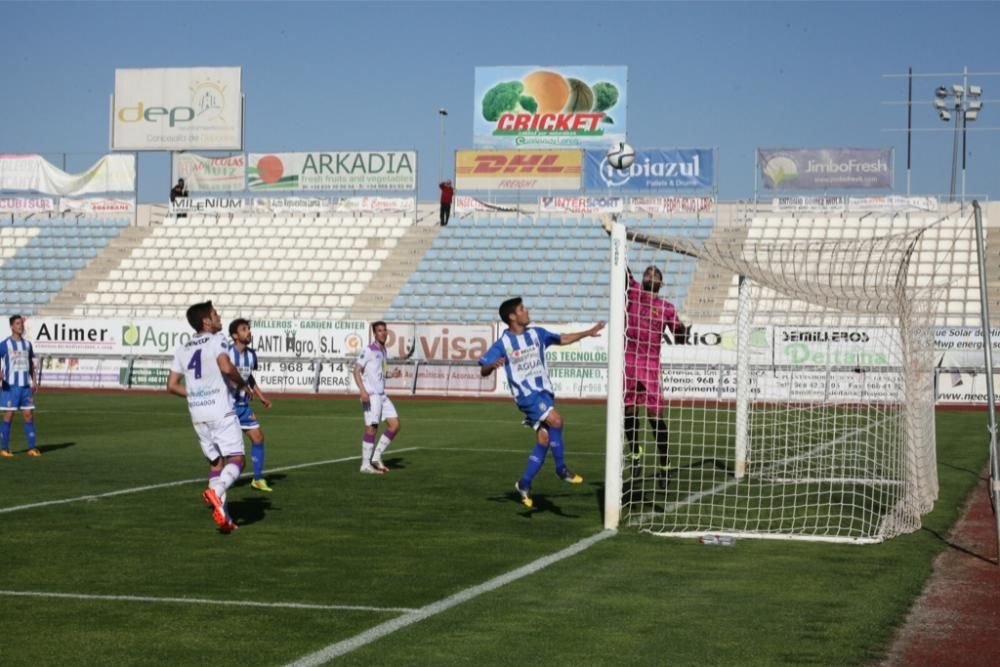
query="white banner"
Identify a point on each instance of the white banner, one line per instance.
(112, 173)
(338, 170)
(462, 204)
(294, 204)
(591, 205)
(377, 204)
(892, 203)
(99, 206)
(671, 205)
(27, 205)
(211, 174)
(177, 109)
(809, 204)
(208, 205)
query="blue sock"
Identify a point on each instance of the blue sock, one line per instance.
(29, 433)
(257, 457)
(556, 445)
(535, 462)
(5, 435)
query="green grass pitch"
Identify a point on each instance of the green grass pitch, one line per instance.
(332, 553)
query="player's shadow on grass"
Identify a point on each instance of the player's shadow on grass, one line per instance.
(55, 446)
(542, 503)
(249, 510)
(397, 463)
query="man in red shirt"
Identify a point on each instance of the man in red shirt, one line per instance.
(447, 192)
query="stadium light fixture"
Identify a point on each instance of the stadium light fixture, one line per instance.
(959, 97)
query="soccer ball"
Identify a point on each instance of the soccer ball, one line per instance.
(621, 156)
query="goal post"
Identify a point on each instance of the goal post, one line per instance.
(804, 410)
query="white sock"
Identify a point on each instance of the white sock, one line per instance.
(366, 452)
(219, 486)
(383, 444)
(230, 473)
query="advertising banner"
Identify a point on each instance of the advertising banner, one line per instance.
(96, 206)
(176, 109)
(653, 169)
(892, 203)
(208, 205)
(112, 173)
(338, 170)
(825, 168)
(809, 204)
(27, 205)
(445, 344)
(518, 170)
(527, 106)
(210, 174)
(462, 204)
(671, 206)
(294, 204)
(377, 204)
(592, 205)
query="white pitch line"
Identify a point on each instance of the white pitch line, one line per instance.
(381, 630)
(166, 485)
(498, 451)
(226, 603)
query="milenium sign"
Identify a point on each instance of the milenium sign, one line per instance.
(177, 109)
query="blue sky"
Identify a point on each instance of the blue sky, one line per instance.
(372, 75)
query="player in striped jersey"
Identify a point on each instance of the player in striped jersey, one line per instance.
(18, 381)
(520, 350)
(244, 358)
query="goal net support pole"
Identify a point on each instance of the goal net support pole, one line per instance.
(616, 380)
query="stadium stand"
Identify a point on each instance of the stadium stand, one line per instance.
(40, 255)
(559, 264)
(387, 267)
(273, 266)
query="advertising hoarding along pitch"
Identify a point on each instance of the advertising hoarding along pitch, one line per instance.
(825, 168)
(654, 169)
(518, 170)
(179, 108)
(336, 170)
(529, 106)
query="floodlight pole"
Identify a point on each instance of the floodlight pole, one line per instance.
(443, 113)
(991, 404)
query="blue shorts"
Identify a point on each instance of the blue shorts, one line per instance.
(536, 407)
(248, 420)
(16, 398)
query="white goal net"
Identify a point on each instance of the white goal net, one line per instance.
(804, 410)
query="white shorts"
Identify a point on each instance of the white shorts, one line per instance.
(379, 409)
(220, 438)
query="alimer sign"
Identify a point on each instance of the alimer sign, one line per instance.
(540, 107)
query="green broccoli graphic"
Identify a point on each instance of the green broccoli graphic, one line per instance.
(605, 97)
(504, 97)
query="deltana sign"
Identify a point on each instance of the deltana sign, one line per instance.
(518, 170)
(537, 107)
(177, 109)
(337, 170)
(825, 168)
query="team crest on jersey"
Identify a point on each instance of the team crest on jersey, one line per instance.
(516, 354)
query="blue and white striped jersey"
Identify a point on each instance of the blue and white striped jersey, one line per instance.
(524, 360)
(17, 359)
(246, 364)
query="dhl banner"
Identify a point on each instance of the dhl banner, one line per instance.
(518, 169)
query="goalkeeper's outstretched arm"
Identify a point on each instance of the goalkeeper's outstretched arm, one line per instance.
(679, 246)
